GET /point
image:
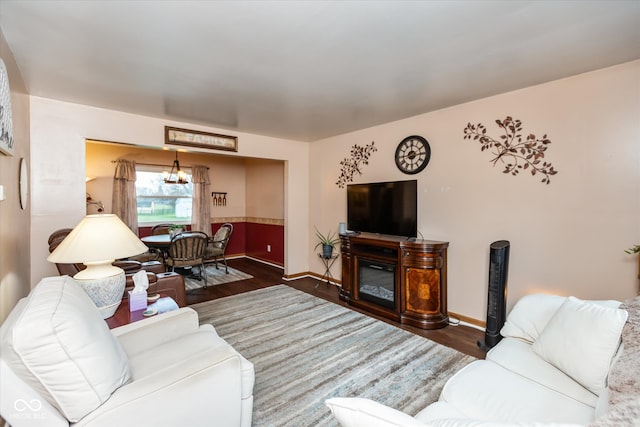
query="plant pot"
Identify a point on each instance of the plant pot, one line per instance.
(327, 251)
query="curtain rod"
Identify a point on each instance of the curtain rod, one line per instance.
(155, 164)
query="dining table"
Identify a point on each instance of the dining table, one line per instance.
(159, 243)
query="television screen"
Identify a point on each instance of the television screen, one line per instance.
(383, 208)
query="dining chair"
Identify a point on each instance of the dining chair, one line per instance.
(160, 229)
(218, 245)
(188, 250)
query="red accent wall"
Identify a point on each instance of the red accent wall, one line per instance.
(237, 243)
(261, 235)
(249, 238)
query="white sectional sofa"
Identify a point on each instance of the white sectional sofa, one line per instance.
(60, 365)
(550, 369)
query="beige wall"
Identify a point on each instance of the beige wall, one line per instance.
(567, 237)
(225, 173)
(15, 280)
(254, 187)
(265, 180)
(58, 133)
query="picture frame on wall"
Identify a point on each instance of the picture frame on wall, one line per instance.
(196, 138)
(6, 116)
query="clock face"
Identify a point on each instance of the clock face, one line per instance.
(413, 154)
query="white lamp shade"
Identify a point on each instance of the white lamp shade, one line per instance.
(98, 238)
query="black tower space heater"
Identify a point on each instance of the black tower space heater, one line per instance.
(497, 298)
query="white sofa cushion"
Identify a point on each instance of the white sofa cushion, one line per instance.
(530, 315)
(62, 347)
(581, 339)
(359, 412)
(517, 356)
(484, 390)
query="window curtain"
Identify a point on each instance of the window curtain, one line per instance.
(124, 193)
(201, 212)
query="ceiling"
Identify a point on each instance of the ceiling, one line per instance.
(306, 70)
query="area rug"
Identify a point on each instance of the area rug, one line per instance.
(306, 350)
(215, 277)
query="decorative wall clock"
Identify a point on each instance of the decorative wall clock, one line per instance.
(6, 117)
(413, 154)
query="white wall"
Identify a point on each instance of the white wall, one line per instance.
(567, 237)
(58, 132)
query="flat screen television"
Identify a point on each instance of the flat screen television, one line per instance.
(383, 208)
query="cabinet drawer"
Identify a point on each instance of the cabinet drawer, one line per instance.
(421, 259)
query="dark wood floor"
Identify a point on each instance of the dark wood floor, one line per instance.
(462, 338)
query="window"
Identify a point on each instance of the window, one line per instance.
(158, 202)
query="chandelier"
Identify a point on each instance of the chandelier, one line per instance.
(176, 176)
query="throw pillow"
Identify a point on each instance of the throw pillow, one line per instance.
(63, 348)
(581, 339)
(530, 315)
(359, 412)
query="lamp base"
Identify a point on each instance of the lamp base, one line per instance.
(105, 292)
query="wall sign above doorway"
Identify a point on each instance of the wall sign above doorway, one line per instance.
(196, 138)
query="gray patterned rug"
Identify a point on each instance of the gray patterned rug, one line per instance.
(215, 277)
(306, 350)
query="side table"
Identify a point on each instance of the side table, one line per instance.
(328, 262)
(123, 316)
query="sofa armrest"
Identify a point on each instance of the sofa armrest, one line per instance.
(140, 336)
(203, 391)
(175, 281)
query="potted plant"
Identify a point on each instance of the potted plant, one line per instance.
(328, 242)
(175, 229)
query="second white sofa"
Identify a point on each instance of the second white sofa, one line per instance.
(550, 369)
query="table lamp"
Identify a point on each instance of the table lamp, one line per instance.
(97, 241)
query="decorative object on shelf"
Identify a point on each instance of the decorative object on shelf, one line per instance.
(351, 165)
(327, 241)
(342, 228)
(23, 184)
(219, 198)
(413, 154)
(196, 138)
(6, 115)
(522, 153)
(176, 176)
(175, 229)
(97, 241)
(97, 203)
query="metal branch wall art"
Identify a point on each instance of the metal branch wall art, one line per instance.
(351, 165)
(518, 152)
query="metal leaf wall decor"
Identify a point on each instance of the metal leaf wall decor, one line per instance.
(351, 165)
(518, 152)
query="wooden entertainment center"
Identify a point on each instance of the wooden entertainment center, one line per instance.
(403, 280)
